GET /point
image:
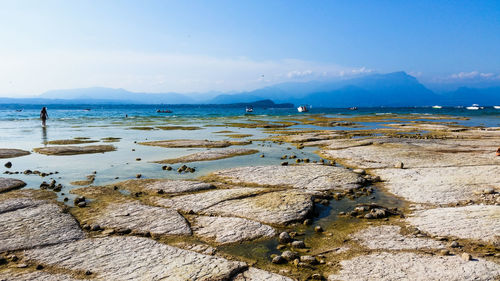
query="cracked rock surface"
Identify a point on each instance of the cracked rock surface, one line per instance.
(166, 186)
(134, 258)
(411, 266)
(255, 274)
(224, 230)
(388, 237)
(208, 155)
(470, 222)
(24, 275)
(310, 176)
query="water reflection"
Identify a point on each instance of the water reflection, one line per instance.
(44, 135)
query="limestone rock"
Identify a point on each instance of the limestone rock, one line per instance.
(194, 143)
(200, 201)
(208, 155)
(273, 208)
(25, 275)
(254, 274)
(229, 230)
(73, 150)
(411, 266)
(310, 176)
(142, 218)
(11, 153)
(7, 184)
(469, 222)
(134, 258)
(165, 185)
(26, 223)
(387, 237)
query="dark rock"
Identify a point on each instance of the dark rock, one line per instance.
(279, 260)
(284, 237)
(298, 244)
(8, 165)
(289, 255)
(284, 163)
(318, 228)
(81, 204)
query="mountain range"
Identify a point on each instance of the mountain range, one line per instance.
(395, 89)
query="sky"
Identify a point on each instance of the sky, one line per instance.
(226, 46)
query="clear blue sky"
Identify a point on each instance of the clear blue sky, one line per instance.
(185, 46)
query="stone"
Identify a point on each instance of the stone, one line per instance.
(225, 230)
(387, 237)
(289, 255)
(194, 143)
(454, 244)
(466, 257)
(209, 155)
(474, 222)
(308, 259)
(359, 171)
(8, 165)
(284, 237)
(134, 258)
(7, 184)
(298, 244)
(254, 274)
(142, 218)
(199, 202)
(278, 260)
(26, 223)
(81, 204)
(309, 176)
(411, 266)
(73, 150)
(275, 208)
(489, 191)
(318, 228)
(11, 153)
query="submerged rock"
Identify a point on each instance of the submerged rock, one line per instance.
(411, 266)
(73, 150)
(7, 184)
(309, 176)
(11, 153)
(194, 143)
(224, 230)
(134, 258)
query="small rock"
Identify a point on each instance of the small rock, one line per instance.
(108, 231)
(95, 227)
(8, 165)
(289, 255)
(488, 191)
(22, 265)
(138, 159)
(280, 247)
(466, 257)
(400, 165)
(138, 175)
(262, 156)
(88, 272)
(318, 229)
(284, 237)
(284, 163)
(444, 252)
(298, 244)
(454, 244)
(39, 267)
(359, 171)
(317, 276)
(308, 259)
(278, 260)
(307, 221)
(81, 204)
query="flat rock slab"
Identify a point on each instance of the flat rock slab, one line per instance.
(255, 274)
(194, 143)
(411, 266)
(310, 176)
(387, 237)
(209, 155)
(73, 150)
(165, 186)
(225, 230)
(386, 153)
(134, 258)
(27, 223)
(25, 275)
(442, 185)
(470, 222)
(11, 152)
(142, 218)
(201, 201)
(278, 208)
(7, 184)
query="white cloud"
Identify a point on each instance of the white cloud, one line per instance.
(36, 72)
(473, 75)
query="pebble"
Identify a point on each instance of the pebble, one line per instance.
(454, 244)
(307, 221)
(138, 159)
(81, 204)
(284, 163)
(284, 237)
(39, 267)
(400, 165)
(466, 257)
(138, 175)
(298, 244)
(278, 260)
(8, 165)
(289, 255)
(488, 191)
(317, 276)
(359, 171)
(22, 265)
(444, 252)
(318, 229)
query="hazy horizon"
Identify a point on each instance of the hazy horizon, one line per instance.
(228, 47)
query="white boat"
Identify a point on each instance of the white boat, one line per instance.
(249, 109)
(473, 107)
(302, 108)
(437, 106)
(496, 107)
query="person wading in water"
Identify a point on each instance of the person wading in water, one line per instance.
(44, 115)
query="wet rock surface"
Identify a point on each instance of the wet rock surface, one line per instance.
(213, 154)
(165, 186)
(26, 223)
(255, 274)
(142, 218)
(310, 176)
(470, 222)
(7, 184)
(194, 143)
(73, 150)
(134, 258)
(388, 237)
(11, 152)
(224, 230)
(411, 266)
